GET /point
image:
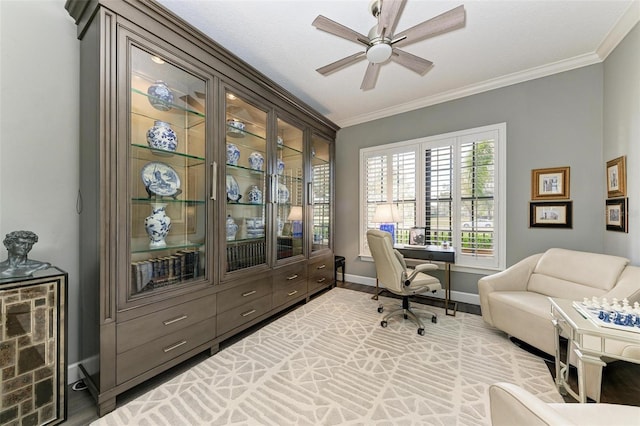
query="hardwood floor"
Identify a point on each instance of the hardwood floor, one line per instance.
(620, 383)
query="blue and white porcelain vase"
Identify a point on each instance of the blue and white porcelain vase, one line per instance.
(232, 228)
(283, 193)
(280, 166)
(255, 195)
(256, 161)
(233, 154)
(162, 136)
(160, 96)
(157, 225)
(233, 189)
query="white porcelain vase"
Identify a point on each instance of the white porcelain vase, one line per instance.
(157, 225)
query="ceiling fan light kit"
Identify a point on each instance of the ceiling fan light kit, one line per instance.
(382, 46)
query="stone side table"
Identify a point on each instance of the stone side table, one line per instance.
(33, 349)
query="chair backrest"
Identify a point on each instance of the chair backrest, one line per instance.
(389, 269)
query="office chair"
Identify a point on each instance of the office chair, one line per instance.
(392, 274)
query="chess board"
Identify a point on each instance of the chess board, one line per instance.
(593, 315)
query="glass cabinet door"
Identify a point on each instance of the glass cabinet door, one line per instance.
(167, 133)
(246, 183)
(320, 196)
(290, 190)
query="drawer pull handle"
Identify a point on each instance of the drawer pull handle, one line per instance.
(321, 280)
(292, 293)
(246, 314)
(322, 266)
(172, 321)
(292, 277)
(249, 293)
(172, 347)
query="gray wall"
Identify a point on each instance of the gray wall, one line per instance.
(622, 134)
(39, 105)
(552, 121)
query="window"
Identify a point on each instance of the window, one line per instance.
(451, 185)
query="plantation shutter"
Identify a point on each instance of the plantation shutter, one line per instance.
(438, 194)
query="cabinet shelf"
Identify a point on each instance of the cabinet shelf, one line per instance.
(170, 247)
(173, 105)
(245, 169)
(144, 152)
(139, 200)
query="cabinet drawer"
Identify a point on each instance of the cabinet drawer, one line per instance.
(240, 294)
(152, 354)
(138, 331)
(320, 273)
(289, 283)
(242, 314)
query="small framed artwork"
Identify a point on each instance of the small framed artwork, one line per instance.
(617, 177)
(616, 211)
(417, 237)
(550, 183)
(551, 214)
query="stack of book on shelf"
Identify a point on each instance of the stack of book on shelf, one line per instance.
(244, 254)
(162, 271)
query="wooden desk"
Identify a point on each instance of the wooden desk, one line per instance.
(434, 254)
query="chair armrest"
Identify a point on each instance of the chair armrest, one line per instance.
(626, 286)
(512, 405)
(423, 267)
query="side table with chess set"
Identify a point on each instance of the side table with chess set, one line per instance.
(595, 329)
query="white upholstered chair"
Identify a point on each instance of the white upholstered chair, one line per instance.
(512, 405)
(392, 274)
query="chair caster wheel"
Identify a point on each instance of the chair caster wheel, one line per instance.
(421, 331)
(434, 319)
(383, 324)
(380, 309)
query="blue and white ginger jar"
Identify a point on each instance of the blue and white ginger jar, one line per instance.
(162, 136)
(157, 225)
(231, 228)
(283, 193)
(280, 166)
(255, 195)
(256, 161)
(233, 154)
(160, 96)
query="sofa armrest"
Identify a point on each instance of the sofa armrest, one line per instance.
(512, 405)
(514, 278)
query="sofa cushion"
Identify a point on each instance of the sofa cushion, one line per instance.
(573, 269)
(525, 315)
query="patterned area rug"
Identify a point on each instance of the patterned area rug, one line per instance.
(330, 363)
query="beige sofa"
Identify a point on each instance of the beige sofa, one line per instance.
(512, 405)
(516, 299)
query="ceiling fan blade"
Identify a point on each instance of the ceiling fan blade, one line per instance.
(337, 65)
(448, 21)
(388, 18)
(413, 62)
(370, 76)
(332, 27)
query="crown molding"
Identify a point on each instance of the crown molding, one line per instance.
(625, 24)
(620, 30)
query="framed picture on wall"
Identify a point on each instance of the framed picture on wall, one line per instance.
(616, 214)
(551, 214)
(550, 183)
(617, 177)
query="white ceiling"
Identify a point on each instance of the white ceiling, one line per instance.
(503, 42)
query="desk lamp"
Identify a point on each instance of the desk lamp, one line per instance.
(387, 215)
(295, 216)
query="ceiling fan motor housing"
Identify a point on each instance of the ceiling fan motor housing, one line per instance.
(379, 49)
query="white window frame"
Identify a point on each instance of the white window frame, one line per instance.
(497, 132)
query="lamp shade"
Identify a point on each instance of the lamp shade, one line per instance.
(386, 213)
(295, 213)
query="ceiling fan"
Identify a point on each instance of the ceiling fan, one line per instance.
(382, 45)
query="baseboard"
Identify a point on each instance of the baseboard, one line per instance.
(457, 296)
